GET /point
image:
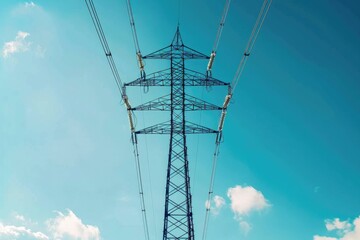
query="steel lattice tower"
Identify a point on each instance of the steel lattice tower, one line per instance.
(178, 217)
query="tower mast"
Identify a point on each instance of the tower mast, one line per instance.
(178, 215)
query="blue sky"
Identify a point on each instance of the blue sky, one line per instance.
(288, 168)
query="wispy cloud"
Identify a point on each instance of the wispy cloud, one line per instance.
(19, 217)
(245, 226)
(336, 224)
(69, 225)
(40, 51)
(19, 44)
(15, 232)
(26, 8)
(316, 237)
(219, 201)
(29, 4)
(63, 226)
(344, 229)
(215, 204)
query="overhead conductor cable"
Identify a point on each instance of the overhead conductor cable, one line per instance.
(95, 19)
(140, 185)
(256, 29)
(136, 41)
(251, 42)
(218, 36)
(213, 170)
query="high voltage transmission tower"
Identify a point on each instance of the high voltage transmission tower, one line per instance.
(178, 217)
(178, 214)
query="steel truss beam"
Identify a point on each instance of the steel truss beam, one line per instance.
(163, 78)
(164, 104)
(178, 128)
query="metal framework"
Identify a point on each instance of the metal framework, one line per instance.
(178, 217)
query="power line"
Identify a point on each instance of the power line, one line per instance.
(140, 185)
(218, 36)
(251, 42)
(178, 219)
(256, 29)
(211, 187)
(178, 215)
(135, 39)
(149, 173)
(96, 21)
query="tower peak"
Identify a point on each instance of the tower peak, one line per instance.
(177, 40)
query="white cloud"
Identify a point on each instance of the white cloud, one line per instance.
(26, 8)
(19, 217)
(63, 226)
(218, 203)
(336, 224)
(29, 4)
(345, 230)
(18, 231)
(355, 233)
(246, 199)
(316, 237)
(40, 51)
(27, 222)
(245, 227)
(20, 44)
(69, 225)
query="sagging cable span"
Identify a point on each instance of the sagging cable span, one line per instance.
(140, 185)
(135, 39)
(218, 36)
(258, 24)
(96, 21)
(215, 158)
(251, 42)
(211, 187)
(137, 164)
